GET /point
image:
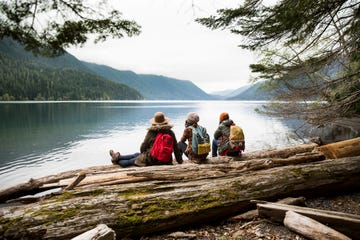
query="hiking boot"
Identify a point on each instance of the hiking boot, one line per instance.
(114, 156)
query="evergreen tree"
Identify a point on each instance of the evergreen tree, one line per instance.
(309, 49)
(47, 27)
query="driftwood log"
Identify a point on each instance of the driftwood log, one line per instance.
(101, 232)
(345, 223)
(310, 228)
(347, 148)
(111, 175)
(173, 196)
(251, 214)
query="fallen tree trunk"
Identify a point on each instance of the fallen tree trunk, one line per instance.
(112, 175)
(137, 209)
(310, 228)
(345, 223)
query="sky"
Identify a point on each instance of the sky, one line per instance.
(172, 44)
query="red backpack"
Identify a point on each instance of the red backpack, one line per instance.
(163, 147)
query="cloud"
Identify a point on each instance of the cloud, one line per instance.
(172, 44)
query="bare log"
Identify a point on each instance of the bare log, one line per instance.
(310, 228)
(347, 148)
(77, 180)
(345, 223)
(299, 201)
(137, 209)
(281, 153)
(101, 232)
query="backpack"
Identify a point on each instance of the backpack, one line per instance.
(200, 140)
(236, 133)
(233, 144)
(237, 138)
(163, 147)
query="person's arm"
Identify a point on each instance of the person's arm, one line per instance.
(186, 135)
(177, 152)
(217, 133)
(146, 143)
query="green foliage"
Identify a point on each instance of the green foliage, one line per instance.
(26, 77)
(309, 48)
(46, 27)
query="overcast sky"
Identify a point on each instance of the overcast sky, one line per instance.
(172, 44)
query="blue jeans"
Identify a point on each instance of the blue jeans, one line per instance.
(127, 160)
(214, 147)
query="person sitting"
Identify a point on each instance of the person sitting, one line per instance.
(191, 127)
(222, 143)
(157, 148)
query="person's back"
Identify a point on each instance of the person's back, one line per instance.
(157, 148)
(222, 142)
(198, 146)
(159, 126)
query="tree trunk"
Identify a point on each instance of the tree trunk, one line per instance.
(137, 209)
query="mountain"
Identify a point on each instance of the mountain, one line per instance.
(24, 76)
(252, 92)
(67, 78)
(225, 94)
(152, 87)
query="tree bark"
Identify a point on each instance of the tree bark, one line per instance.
(310, 228)
(137, 209)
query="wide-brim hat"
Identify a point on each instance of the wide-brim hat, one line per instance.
(159, 119)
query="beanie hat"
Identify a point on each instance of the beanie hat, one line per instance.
(224, 116)
(192, 117)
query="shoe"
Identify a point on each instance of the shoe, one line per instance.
(114, 156)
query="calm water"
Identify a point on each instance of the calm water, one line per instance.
(39, 138)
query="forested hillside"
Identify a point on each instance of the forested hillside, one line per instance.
(152, 87)
(26, 77)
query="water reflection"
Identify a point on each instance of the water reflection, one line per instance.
(40, 138)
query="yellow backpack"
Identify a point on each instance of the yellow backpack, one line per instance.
(236, 134)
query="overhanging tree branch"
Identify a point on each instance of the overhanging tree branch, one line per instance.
(47, 27)
(310, 52)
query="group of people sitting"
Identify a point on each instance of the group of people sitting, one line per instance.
(160, 143)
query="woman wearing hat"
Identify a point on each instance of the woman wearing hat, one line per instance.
(191, 124)
(159, 124)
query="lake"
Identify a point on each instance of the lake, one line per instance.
(42, 138)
